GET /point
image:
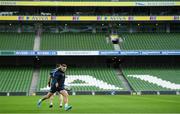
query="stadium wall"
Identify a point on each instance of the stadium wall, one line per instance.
(86, 60)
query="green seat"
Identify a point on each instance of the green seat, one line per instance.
(75, 41)
(166, 73)
(15, 79)
(16, 41)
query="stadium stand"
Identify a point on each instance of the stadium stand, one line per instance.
(152, 77)
(16, 41)
(75, 41)
(121, 0)
(150, 41)
(15, 79)
(92, 79)
(101, 0)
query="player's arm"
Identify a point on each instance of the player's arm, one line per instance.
(57, 84)
(49, 80)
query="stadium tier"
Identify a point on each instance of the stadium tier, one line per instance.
(85, 79)
(16, 41)
(15, 79)
(150, 41)
(122, 0)
(153, 78)
(102, 0)
(75, 41)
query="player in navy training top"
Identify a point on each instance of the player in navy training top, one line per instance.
(57, 79)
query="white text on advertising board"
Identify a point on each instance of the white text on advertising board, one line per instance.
(7, 3)
(39, 18)
(114, 18)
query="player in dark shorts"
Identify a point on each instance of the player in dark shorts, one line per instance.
(57, 79)
(50, 83)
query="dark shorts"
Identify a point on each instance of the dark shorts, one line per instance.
(56, 89)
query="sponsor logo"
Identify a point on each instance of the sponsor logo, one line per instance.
(99, 18)
(75, 18)
(140, 4)
(160, 4)
(20, 17)
(105, 18)
(176, 17)
(53, 17)
(117, 18)
(7, 3)
(109, 52)
(155, 3)
(27, 18)
(152, 18)
(130, 18)
(40, 18)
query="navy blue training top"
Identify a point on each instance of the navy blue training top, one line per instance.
(57, 76)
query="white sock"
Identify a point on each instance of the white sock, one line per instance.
(61, 103)
(66, 105)
(51, 103)
(61, 100)
(40, 100)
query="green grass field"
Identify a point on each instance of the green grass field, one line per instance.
(94, 104)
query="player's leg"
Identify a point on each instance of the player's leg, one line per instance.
(52, 91)
(65, 98)
(44, 98)
(51, 101)
(60, 100)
